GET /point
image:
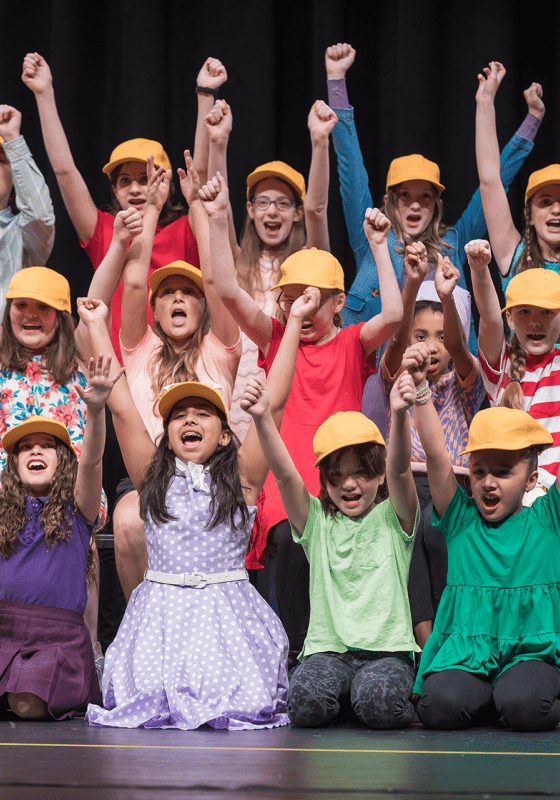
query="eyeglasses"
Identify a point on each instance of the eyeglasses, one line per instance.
(262, 202)
(286, 305)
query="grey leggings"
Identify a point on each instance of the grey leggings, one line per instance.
(379, 687)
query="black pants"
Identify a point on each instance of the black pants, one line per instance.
(525, 698)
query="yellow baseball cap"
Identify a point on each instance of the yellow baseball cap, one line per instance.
(540, 178)
(43, 284)
(413, 168)
(280, 170)
(501, 428)
(175, 268)
(36, 425)
(176, 392)
(312, 268)
(344, 429)
(137, 150)
(533, 287)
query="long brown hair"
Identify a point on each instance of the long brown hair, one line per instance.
(248, 274)
(531, 253)
(513, 396)
(57, 512)
(370, 457)
(59, 358)
(168, 214)
(431, 236)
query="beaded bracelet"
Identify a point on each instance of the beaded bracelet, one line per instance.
(206, 90)
(423, 395)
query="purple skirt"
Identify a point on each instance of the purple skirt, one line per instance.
(47, 651)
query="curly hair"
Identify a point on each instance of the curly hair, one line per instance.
(58, 510)
(370, 457)
(227, 501)
(431, 236)
(59, 358)
(168, 214)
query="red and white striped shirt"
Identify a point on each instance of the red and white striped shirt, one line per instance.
(541, 389)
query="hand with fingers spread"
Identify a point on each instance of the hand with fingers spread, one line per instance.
(489, 81)
(533, 95)
(128, 225)
(338, 60)
(10, 122)
(479, 254)
(218, 122)
(416, 261)
(212, 74)
(36, 73)
(321, 120)
(376, 226)
(159, 181)
(189, 180)
(416, 360)
(403, 393)
(255, 400)
(99, 384)
(446, 277)
(215, 196)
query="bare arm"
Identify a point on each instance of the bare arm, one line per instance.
(381, 327)
(400, 481)
(77, 199)
(503, 233)
(321, 121)
(244, 310)
(416, 265)
(136, 445)
(454, 337)
(491, 329)
(212, 75)
(440, 469)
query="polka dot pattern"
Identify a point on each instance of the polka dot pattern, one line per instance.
(186, 657)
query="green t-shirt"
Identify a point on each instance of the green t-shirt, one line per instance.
(358, 581)
(501, 604)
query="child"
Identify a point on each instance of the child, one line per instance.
(438, 314)
(126, 171)
(48, 505)
(26, 212)
(540, 244)
(332, 367)
(359, 549)
(521, 373)
(413, 196)
(227, 667)
(496, 640)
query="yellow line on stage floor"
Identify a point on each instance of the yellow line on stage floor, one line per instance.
(286, 749)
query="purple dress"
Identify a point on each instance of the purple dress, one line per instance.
(185, 657)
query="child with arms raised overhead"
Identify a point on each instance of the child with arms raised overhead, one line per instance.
(359, 548)
(49, 502)
(494, 654)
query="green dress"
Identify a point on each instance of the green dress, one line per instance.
(501, 604)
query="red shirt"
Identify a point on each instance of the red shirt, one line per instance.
(175, 242)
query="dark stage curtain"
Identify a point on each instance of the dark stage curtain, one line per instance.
(124, 69)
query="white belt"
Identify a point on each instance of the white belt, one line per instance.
(197, 580)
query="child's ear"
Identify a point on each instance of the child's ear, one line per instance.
(339, 303)
(385, 198)
(250, 209)
(510, 321)
(532, 481)
(299, 213)
(225, 438)
(382, 479)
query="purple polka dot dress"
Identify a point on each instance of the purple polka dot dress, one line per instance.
(185, 657)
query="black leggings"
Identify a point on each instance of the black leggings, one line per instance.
(525, 698)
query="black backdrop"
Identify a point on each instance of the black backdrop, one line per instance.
(124, 69)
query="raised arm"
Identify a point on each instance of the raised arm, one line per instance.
(400, 481)
(321, 121)
(90, 474)
(503, 233)
(491, 329)
(416, 265)
(221, 322)
(378, 329)
(440, 469)
(136, 445)
(454, 337)
(36, 217)
(212, 75)
(244, 310)
(77, 199)
(134, 315)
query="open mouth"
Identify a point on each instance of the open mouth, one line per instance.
(553, 224)
(272, 227)
(36, 466)
(351, 499)
(413, 219)
(490, 501)
(29, 326)
(535, 337)
(191, 437)
(178, 315)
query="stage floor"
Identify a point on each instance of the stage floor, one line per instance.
(71, 761)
